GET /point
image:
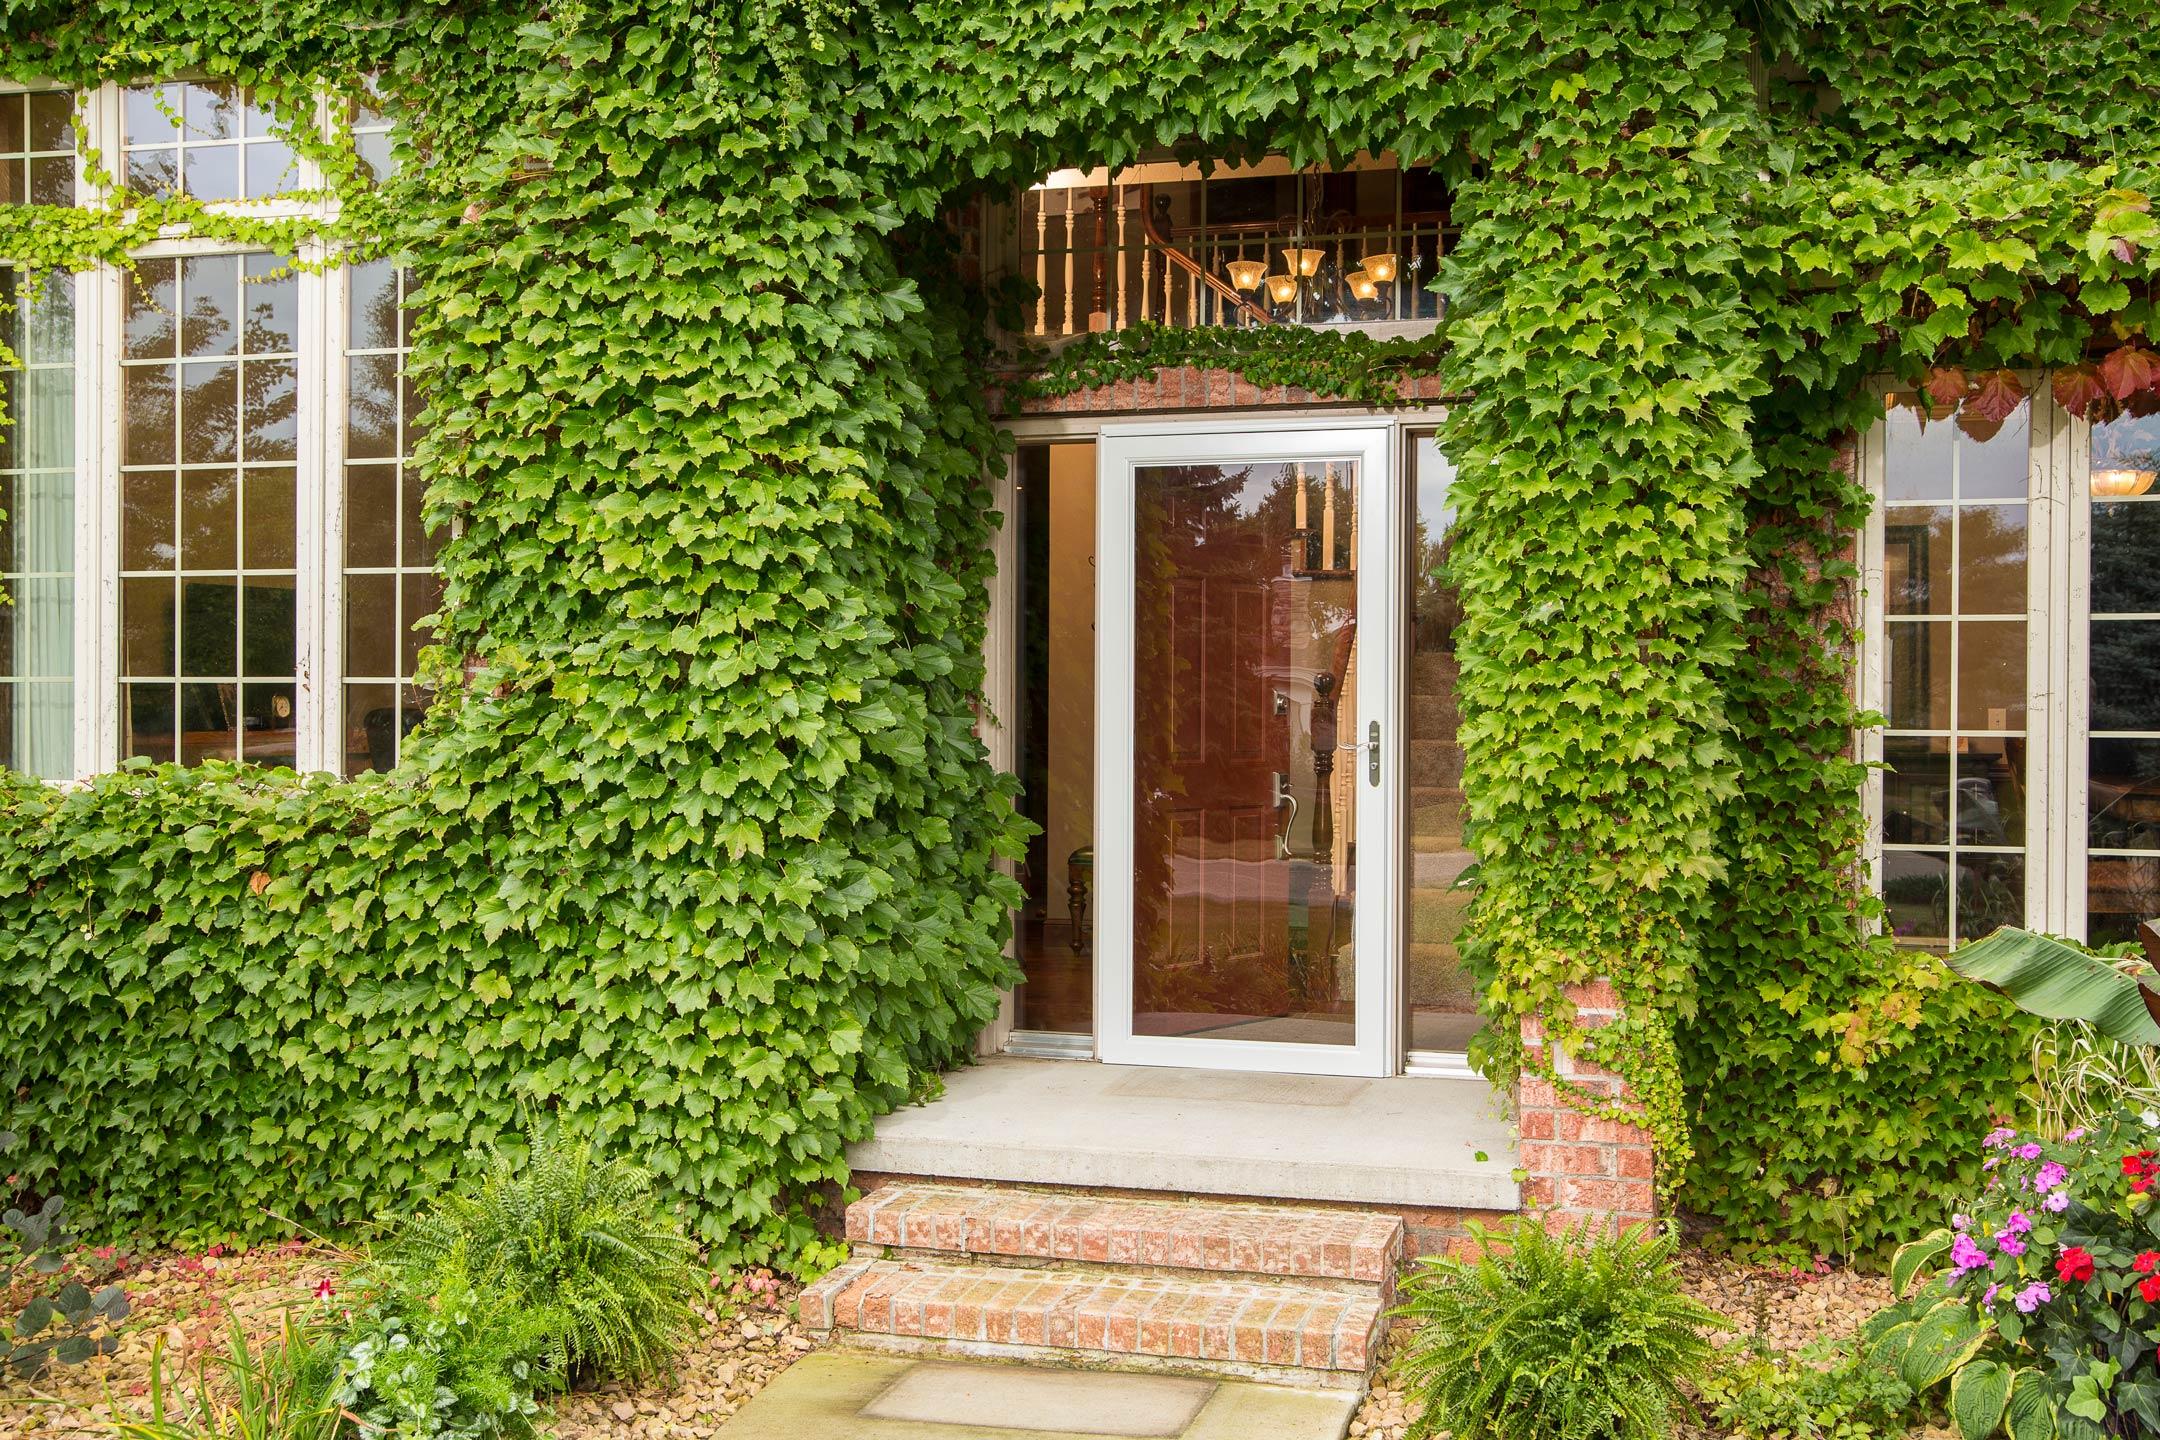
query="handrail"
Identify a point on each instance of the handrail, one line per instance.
(1156, 238)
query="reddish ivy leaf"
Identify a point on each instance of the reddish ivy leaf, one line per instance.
(2129, 370)
(1946, 385)
(1999, 395)
(2125, 249)
(2145, 402)
(2077, 387)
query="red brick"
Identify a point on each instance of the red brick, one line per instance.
(1628, 1196)
(1635, 1162)
(1537, 1125)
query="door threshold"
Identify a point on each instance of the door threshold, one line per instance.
(1050, 1045)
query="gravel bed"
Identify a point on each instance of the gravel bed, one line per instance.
(749, 1336)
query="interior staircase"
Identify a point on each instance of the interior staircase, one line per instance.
(1293, 1295)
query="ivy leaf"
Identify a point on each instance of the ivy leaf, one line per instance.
(1999, 395)
(2077, 387)
(1946, 385)
(2130, 369)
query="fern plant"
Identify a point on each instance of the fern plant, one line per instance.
(568, 1231)
(1554, 1338)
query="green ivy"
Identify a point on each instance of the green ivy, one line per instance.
(700, 845)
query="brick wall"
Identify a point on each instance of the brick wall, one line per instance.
(1188, 388)
(1576, 1166)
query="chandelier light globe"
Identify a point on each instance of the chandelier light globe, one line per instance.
(1282, 289)
(1246, 274)
(1382, 268)
(2116, 484)
(1303, 261)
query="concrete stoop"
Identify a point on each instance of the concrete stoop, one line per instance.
(1284, 1294)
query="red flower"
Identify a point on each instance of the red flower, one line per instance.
(2146, 1263)
(2140, 1185)
(2149, 1289)
(2075, 1263)
(2132, 1165)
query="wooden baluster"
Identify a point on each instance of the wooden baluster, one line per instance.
(1072, 262)
(1327, 518)
(1124, 301)
(1042, 261)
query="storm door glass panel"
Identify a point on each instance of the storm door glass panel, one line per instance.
(1956, 530)
(2122, 875)
(1244, 682)
(1441, 995)
(37, 523)
(1054, 504)
(392, 583)
(207, 531)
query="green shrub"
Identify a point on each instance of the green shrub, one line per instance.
(568, 1232)
(1828, 1392)
(1554, 1338)
(435, 1355)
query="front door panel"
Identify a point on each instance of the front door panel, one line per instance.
(1240, 850)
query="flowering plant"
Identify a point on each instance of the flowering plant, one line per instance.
(2046, 1317)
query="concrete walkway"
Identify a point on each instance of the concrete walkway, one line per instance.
(836, 1395)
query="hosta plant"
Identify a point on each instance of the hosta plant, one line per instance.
(1543, 1337)
(2039, 1306)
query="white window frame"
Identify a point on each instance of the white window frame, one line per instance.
(324, 325)
(2058, 617)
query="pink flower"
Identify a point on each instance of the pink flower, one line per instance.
(325, 1289)
(2009, 1244)
(2028, 1151)
(2056, 1203)
(2050, 1176)
(1965, 1255)
(2033, 1296)
(1988, 1298)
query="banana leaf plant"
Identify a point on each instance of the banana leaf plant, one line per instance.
(2057, 980)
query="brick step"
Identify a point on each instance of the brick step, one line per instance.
(1034, 1226)
(1181, 1323)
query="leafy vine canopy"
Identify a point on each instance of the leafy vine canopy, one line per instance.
(700, 843)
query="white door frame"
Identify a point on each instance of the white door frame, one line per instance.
(1378, 1028)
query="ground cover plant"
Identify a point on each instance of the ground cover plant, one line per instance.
(1545, 1337)
(699, 843)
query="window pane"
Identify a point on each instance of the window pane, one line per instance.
(269, 519)
(272, 298)
(372, 412)
(272, 416)
(209, 406)
(1918, 675)
(1991, 675)
(210, 510)
(209, 304)
(1917, 457)
(153, 172)
(267, 626)
(1991, 792)
(2000, 467)
(212, 172)
(371, 727)
(52, 180)
(147, 395)
(1916, 790)
(371, 626)
(1991, 559)
(420, 595)
(1917, 553)
(371, 516)
(207, 108)
(271, 169)
(2124, 780)
(149, 114)
(2126, 675)
(150, 715)
(146, 627)
(146, 521)
(2125, 556)
(153, 288)
(374, 321)
(1990, 893)
(37, 530)
(1916, 893)
(2120, 891)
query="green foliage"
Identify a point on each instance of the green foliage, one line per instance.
(1350, 367)
(699, 844)
(432, 1355)
(2058, 980)
(277, 1392)
(1833, 1392)
(1547, 1337)
(560, 1229)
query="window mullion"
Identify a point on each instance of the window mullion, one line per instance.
(98, 419)
(2074, 606)
(1873, 639)
(315, 599)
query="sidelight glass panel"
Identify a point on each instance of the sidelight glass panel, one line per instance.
(1439, 991)
(207, 535)
(390, 583)
(1244, 715)
(37, 524)
(1956, 561)
(1054, 731)
(2122, 877)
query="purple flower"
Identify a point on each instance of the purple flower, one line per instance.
(2074, 1136)
(1960, 1222)
(2009, 1244)
(1965, 1255)
(1988, 1298)
(2018, 1223)
(2030, 1150)
(2050, 1176)
(2056, 1203)
(2033, 1296)
(1999, 1137)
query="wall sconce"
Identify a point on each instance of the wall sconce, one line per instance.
(1382, 268)
(1282, 289)
(2121, 484)
(1246, 274)
(1304, 262)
